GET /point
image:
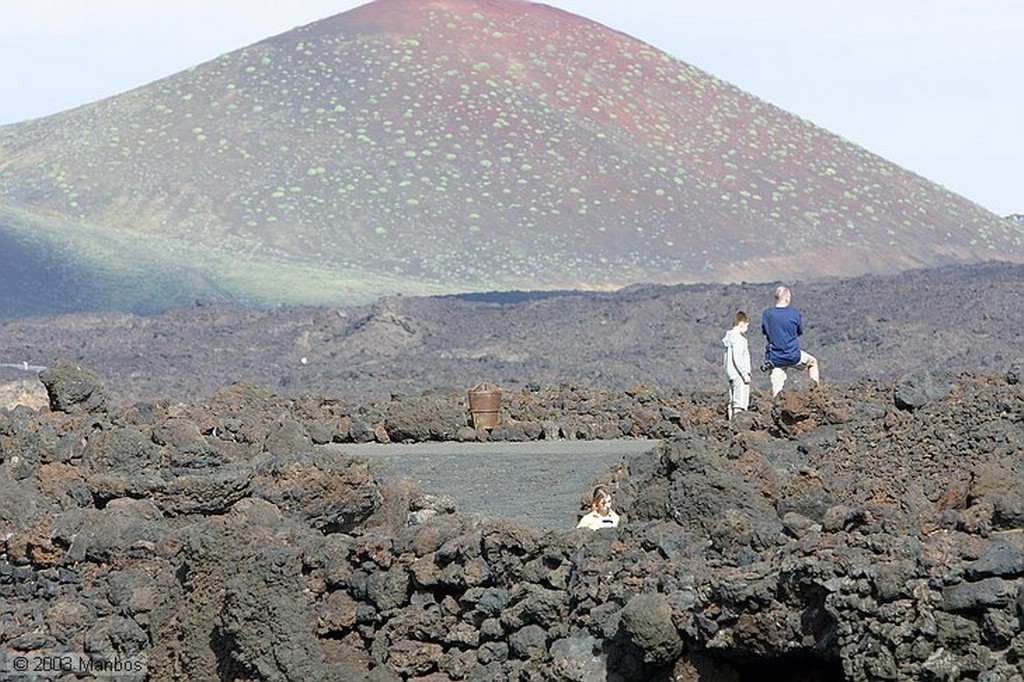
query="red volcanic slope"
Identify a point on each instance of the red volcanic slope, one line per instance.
(487, 144)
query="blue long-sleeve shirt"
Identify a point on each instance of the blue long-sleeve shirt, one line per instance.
(782, 328)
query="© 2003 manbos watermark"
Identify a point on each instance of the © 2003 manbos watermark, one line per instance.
(47, 665)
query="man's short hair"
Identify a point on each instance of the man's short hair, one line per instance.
(781, 292)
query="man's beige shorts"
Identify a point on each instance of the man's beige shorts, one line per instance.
(778, 374)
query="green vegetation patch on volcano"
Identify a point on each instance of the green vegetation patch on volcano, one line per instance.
(50, 267)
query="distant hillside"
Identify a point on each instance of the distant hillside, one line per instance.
(442, 146)
(951, 319)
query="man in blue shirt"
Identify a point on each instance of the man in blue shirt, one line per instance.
(782, 327)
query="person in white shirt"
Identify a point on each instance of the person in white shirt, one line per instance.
(737, 364)
(601, 514)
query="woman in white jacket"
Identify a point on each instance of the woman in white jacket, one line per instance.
(737, 364)
(601, 513)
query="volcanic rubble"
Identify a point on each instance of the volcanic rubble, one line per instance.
(866, 531)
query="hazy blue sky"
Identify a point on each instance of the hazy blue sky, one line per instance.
(936, 86)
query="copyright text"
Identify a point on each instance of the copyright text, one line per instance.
(43, 665)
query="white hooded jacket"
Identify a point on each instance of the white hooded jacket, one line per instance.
(737, 355)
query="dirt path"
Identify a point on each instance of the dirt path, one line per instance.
(538, 484)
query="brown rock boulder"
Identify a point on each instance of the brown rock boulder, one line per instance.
(73, 389)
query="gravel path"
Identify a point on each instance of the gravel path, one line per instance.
(537, 484)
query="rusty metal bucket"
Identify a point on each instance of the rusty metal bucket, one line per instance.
(485, 405)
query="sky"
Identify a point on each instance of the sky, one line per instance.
(936, 86)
